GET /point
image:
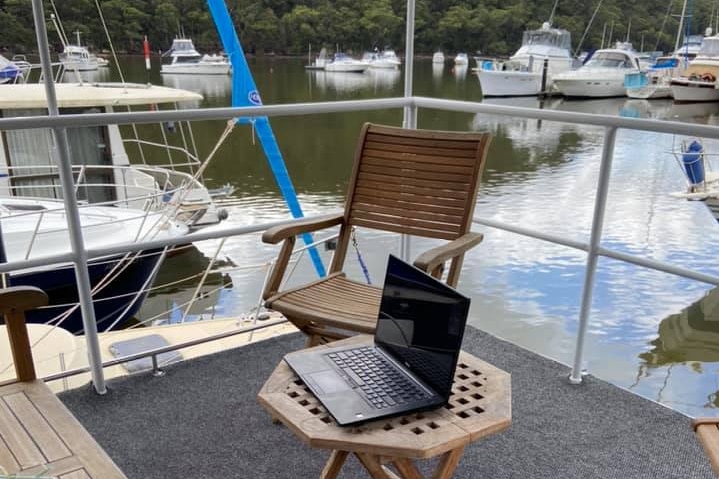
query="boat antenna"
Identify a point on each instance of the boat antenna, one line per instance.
(551, 15)
(586, 30)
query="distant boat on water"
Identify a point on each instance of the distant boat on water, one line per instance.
(187, 60)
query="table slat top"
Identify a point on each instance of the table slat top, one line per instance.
(480, 405)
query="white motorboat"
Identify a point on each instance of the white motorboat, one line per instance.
(33, 228)
(187, 60)
(522, 74)
(9, 71)
(347, 64)
(438, 57)
(78, 57)
(383, 59)
(654, 82)
(461, 59)
(102, 165)
(699, 81)
(601, 77)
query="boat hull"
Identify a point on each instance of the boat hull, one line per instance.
(509, 83)
(590, 88)
(650, 92)
(693, 91)
(346, 68)
(114, 303)
(197, 69)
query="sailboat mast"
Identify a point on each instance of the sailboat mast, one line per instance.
(681, 25)
(551, 15)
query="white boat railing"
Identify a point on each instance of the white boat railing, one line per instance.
(412, 105)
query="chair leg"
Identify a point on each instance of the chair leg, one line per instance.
(314, 340)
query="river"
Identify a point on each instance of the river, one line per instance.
(653, 333)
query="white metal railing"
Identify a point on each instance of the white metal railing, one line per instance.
(593, 248)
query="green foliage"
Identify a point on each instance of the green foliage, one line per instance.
(289, 26)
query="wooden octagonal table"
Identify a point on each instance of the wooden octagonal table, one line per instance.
(480, 405)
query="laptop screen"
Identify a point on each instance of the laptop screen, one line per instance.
(421, 323)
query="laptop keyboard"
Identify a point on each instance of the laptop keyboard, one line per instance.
(381, 382)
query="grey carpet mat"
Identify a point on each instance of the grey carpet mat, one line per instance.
(201, 420)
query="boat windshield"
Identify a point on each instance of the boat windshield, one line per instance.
(610, 60)
(183, 45)
(710, 47)
(552, 38)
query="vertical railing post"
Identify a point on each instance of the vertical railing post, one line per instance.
(409, 119)
(73, 216)
(600, 203)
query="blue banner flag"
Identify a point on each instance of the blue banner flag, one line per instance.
(244, 93)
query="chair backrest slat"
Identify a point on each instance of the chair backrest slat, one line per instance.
(419, 182)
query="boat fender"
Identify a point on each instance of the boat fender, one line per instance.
(692, 157)
(222, 214)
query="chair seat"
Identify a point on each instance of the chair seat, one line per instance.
(334, 301)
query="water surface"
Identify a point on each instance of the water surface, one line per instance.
(651, 332)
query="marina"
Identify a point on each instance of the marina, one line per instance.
(538, 176)
(588, 268)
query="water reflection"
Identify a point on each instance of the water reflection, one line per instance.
(460, 71)
(687, 343)
(176, 285)
(209, 86)
(437, 71)
(347, 82)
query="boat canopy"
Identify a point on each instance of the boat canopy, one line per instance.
(665, 63)
(551, 37)
(71, 95)
(182, 46)
(710, 47)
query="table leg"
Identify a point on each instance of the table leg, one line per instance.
(407, 469)
(334, 464)
(372, 463)
(448, 463)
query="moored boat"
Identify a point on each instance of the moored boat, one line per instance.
(654, 82)
(524, 73)
(602, 76)
(187, 60)
(344, 63)
(699, 81)
(33, 228)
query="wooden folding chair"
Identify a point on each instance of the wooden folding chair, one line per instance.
(417, 182)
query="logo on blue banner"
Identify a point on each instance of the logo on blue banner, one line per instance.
(254, 97)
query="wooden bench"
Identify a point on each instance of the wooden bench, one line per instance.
(39, 436)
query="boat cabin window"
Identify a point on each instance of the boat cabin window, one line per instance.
(551, 38)
(192, 59)
(710, 47)
(610, 60)
(30, 155)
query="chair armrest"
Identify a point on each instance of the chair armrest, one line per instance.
(278, 233)
(701, 421)
(431, 259)
(14, 301)
(288, 232)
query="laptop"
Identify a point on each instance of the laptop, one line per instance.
(410, 365)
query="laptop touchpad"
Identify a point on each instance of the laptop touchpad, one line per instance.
(329, 381)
